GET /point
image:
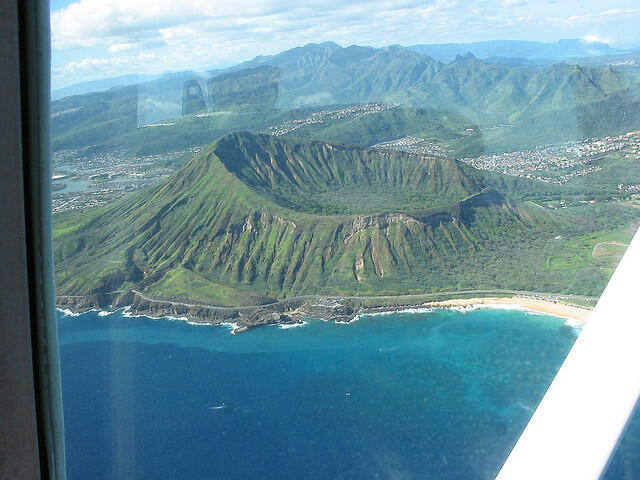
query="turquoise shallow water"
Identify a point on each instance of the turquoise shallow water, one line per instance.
(442, 394)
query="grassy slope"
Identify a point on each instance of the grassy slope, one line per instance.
(390, 124)
(616, 168)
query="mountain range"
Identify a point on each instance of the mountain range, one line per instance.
(99, 85)
(517, 49)
(559, 102)
(514, 50)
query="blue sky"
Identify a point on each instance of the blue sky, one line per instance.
(94, 39)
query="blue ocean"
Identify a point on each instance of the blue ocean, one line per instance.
(439, 394)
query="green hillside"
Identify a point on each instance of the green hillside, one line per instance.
(442, 127)
(255, 217)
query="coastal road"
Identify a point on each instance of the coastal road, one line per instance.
(426, 296)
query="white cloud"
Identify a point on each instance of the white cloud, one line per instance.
(205, 31)
(89, 23)
(92, 65)
(596, 38)
(513, 3)
(616, 11)
(122, 47)
(93, 22)
(599, 17)
(620, 12)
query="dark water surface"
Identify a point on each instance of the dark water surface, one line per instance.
(440, 395)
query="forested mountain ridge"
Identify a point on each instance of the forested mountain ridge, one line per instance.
(254, 94)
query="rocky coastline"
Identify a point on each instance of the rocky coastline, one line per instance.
(283, 312)
(294, 310)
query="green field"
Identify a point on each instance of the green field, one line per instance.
(602, 250)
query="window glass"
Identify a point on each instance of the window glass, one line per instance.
(332, 240)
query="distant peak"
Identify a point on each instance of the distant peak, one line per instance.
(465, 57)
(329, 44)
(401, 51)
(239, 136)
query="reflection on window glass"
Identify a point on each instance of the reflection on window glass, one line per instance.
(341, 241)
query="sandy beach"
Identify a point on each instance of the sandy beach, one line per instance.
(537, 305)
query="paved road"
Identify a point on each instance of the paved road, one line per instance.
(552, 296)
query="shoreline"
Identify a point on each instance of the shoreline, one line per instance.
(538, 305)
(297, 315)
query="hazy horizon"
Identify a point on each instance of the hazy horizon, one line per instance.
(95, 39)
(143, 75)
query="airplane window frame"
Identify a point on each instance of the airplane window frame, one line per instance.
(33, 444)
(32, 439)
